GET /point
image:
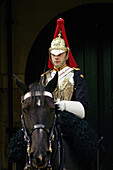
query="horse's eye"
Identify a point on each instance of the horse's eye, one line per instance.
(52, 110)
(25, 110)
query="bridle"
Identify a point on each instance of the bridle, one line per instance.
(54, 130)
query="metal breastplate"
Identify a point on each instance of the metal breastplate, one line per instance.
(64, 90)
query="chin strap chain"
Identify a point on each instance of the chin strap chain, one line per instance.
(28, 162)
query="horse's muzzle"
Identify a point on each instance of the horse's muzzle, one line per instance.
(41, 160)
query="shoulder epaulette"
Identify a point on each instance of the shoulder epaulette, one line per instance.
(45, 73)
(76, 68)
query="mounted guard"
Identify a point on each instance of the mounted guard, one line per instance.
(55, 126)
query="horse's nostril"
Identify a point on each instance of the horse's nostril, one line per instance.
(40, 157)
(37, 161)
(40, 160)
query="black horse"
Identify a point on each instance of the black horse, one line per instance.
(47, 147)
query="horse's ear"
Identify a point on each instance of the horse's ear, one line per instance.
(24, 89)
(52, 84)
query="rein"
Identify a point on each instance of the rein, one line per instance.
(54, 129)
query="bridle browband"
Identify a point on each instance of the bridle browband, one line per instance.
(37, 93)
(38, 126)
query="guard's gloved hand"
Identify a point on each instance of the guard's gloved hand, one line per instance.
(74, 107)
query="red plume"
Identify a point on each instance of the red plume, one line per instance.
(60, 25)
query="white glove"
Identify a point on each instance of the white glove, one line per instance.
(74, 107)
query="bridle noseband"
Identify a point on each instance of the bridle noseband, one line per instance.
(37, 126)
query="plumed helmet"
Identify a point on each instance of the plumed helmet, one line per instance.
(59, 45)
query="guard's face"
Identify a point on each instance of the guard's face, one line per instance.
(58, 60)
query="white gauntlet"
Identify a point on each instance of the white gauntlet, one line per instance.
(74, 107)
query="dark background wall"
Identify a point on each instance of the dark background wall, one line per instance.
(26, 30)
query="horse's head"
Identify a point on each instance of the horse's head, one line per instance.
(38, 118)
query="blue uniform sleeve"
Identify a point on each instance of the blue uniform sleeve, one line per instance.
(80, 89)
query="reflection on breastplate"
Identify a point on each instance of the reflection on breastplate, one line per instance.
(65, 91)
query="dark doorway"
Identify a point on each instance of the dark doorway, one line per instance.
(89, 30)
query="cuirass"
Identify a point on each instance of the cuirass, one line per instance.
(64, 90)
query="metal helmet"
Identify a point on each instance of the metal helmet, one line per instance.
(58, 46)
